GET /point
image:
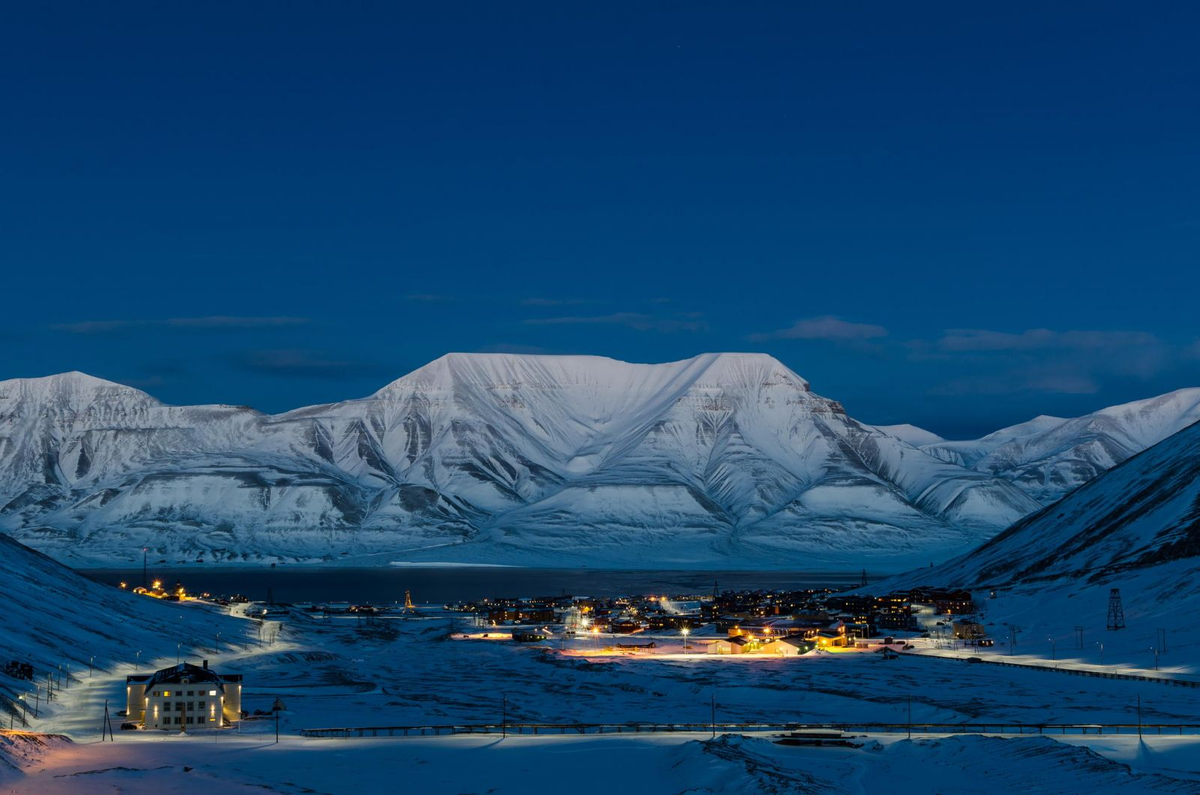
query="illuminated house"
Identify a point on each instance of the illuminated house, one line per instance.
(184, 696)
(831, 638)
(739, 644)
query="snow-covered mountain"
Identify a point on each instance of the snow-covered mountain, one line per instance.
(1049, 456)
(1143, 513)
(1135, 528)
(720, 460)
(917, 437)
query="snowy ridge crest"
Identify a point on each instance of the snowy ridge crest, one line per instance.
(718, 460)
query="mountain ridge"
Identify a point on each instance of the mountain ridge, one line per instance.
(499, 457)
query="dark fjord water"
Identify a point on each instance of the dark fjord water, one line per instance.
(452, 584)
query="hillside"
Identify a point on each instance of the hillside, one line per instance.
(53, 616)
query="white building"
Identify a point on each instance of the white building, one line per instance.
(184, 696)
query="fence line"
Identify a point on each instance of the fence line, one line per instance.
(1160, 680)
(666, 728)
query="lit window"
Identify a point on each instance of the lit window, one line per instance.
(212, 692)
(166, 694)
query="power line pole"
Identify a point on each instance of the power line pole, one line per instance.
(1116, 613)
(713, 706)
(910, 717)
(107, 725)
(1078, 637)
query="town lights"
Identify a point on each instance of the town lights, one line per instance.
(685, 631)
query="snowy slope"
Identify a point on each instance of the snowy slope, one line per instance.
(718, 460)
(1135, 528)
(911, 434)
(53, 616)
(1142, 514)
(1048, 456)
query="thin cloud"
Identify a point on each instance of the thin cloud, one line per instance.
(824, 327)
(1019, 381)
(302, 363)
(1072, 362)
(633, 320)
(429, 298)
(210, 322)
(552, 301)
(982, 340)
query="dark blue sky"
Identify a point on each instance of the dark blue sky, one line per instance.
(949, 214)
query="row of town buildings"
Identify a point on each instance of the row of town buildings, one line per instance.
(821, 616)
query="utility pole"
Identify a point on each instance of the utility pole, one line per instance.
(277, 707)
(504, 716)
(713, 714)
(1053, 649)
(910, 717)
(106, 726)
(1079, 637)
(1116, 613)
(145, 581)
(1154, 651)
(1162, 640)
(1139, 702)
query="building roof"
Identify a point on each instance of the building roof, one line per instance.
(185, 673)
(795, 640)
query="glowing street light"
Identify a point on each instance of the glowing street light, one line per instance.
(685, 631)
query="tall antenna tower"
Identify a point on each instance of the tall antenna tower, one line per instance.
(1116, 613)
(408, 605)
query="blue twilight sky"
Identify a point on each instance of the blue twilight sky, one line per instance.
(954, 214)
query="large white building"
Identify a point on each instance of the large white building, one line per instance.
(184, 696)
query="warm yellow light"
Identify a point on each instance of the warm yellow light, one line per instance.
(124, 585)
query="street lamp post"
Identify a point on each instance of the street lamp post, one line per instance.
(91, 665)
(684, 631)
(137, 661)
(1154, 650)
(1053, 650)
(1101, 645)
(178, 651)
